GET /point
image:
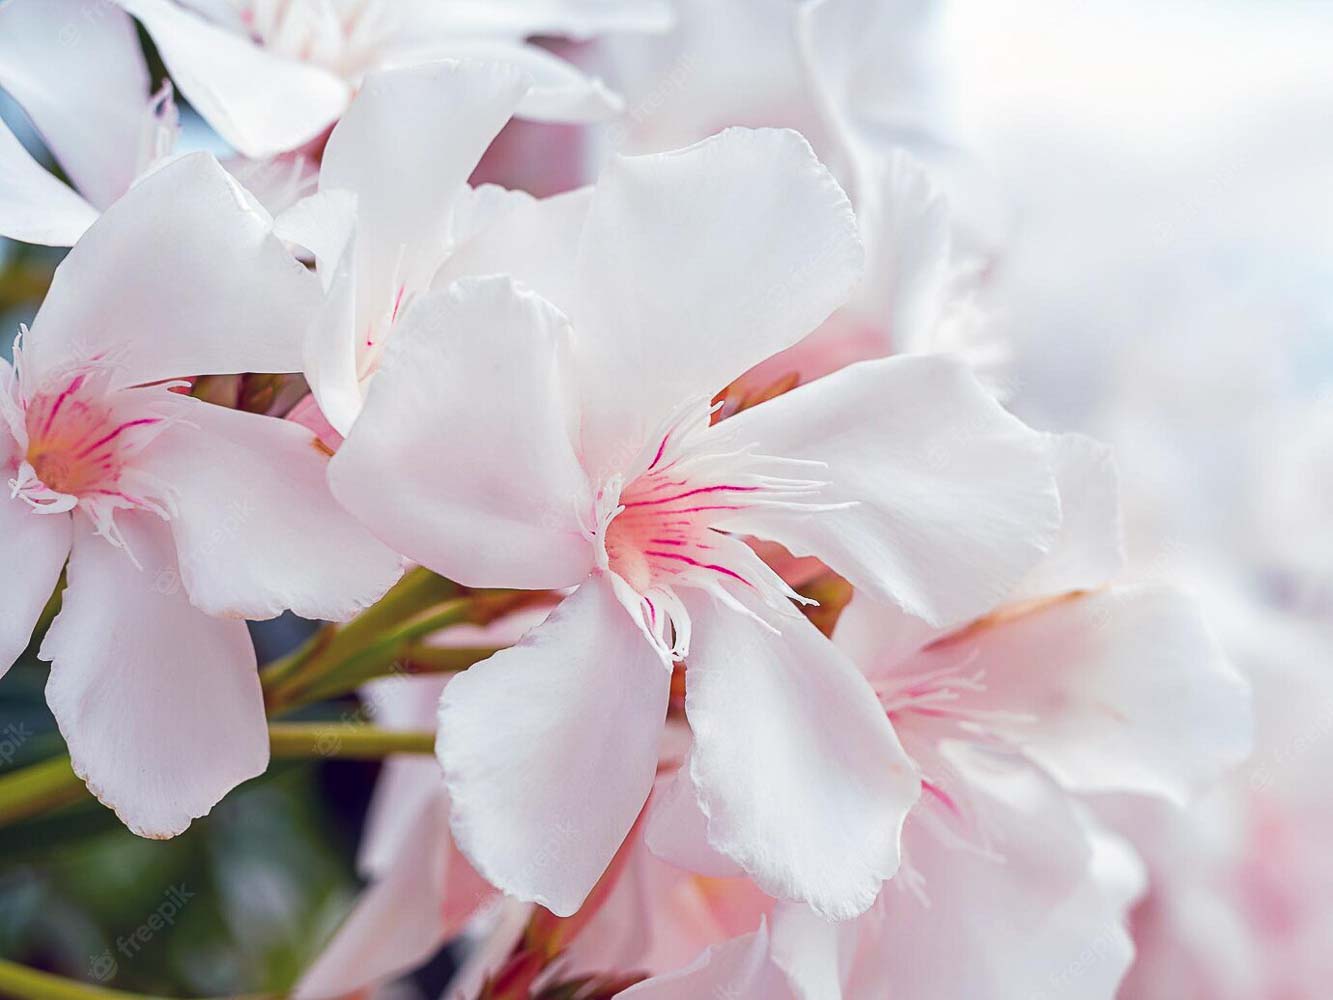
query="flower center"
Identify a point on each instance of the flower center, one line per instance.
(78, 436)
(665, 524)
(342, 36)
(73, 440)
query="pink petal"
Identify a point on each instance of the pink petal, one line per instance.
(534, 244)
(549, 749)
(405, 149)
(405, 916)
(256, 528)
(473, 379)
(80, 75)
(662, 318)
(578, 19)
(35, 207)
(31, 558)
(740, 969)
(560, 92)
(182, 276)
(1089, 551)
(259, 102)
(159, 703)
(954, 500)
(1046, 916)
(1128, 691)
(677, 830)
(797, 767)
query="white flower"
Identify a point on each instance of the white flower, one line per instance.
(179, 518)
(271, 75)
(507, 442)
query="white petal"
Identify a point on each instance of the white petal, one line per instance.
(876, 636)
(472, 380)
(333, 340)
(407, 781)
(1089, 550)
(677, 830)
(1043, 918)
(535, 244)
(813, 951)
(549, 749)
(181, 276)
(277, 182)
(477, 209)
(323, 223)
(1128, 691)
(80, 75)
(739, 969)
(257, 530)
(560, 92)
(404, 917)
(696, 265)
(405, 149)
(159, 703)
(31, 558)
(35, 207)
(910, 264)
(797, 767)
(579, 19)
(869, 61)
(259, 102)
(954, 499)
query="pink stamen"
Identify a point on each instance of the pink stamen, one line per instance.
(141, 422)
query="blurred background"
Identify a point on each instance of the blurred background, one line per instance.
(1152, 185)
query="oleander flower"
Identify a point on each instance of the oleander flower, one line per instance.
(1068, 687)
(583, 421)
(1071, 687)
(272, 76)
(179, 518)
(393, 203)
(81, 77)
(84, 84)
(856, 78)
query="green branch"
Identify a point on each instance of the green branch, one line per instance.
(40, 788)
(23, 983)
(348, 740)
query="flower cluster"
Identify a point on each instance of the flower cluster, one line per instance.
(801, 666)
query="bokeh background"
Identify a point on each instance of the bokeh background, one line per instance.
(1152, 184)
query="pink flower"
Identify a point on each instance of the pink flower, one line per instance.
(179, 518)
(393, 203)
(84, 84)
(582, 419)
(80, 75)
(270, 77)
(1007, 888)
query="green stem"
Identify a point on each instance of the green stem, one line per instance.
(286, 680)
(38, 788)
(374, 660)
(22, 285)
(441, 659)
(418, 590)
(20, 982)
(347, 740)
